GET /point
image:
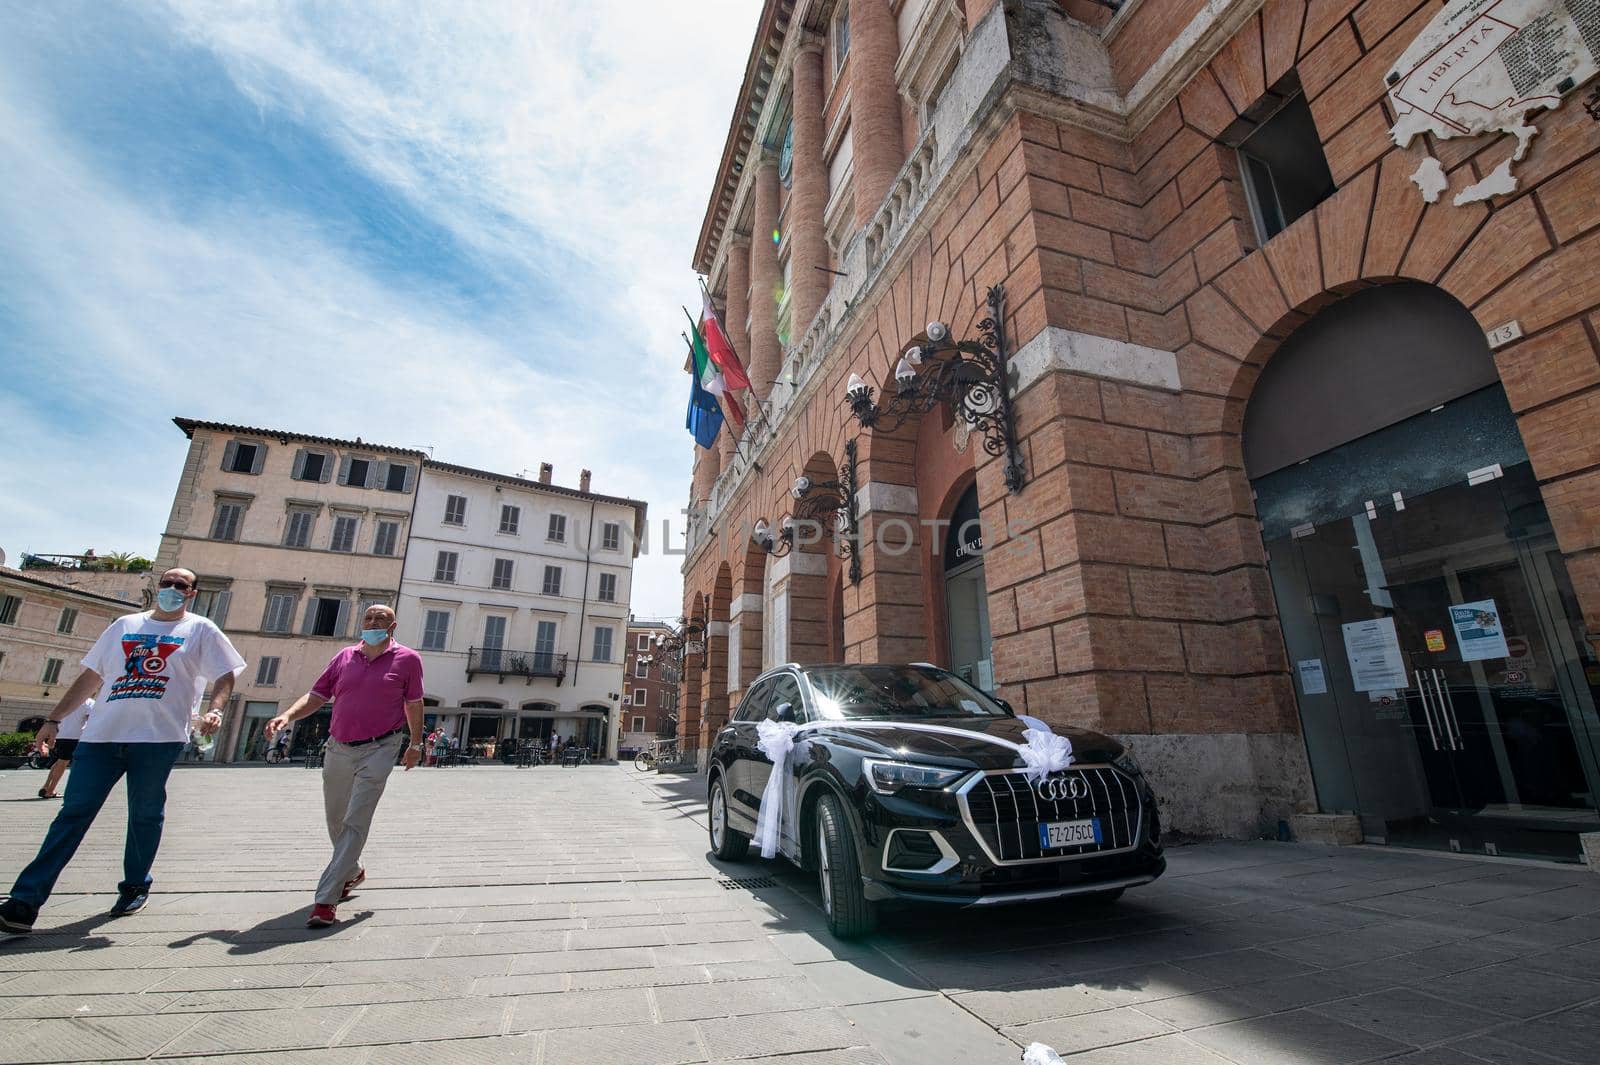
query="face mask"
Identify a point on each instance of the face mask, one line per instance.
(374, 637)
(169, 599)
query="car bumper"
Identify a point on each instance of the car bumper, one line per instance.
(881, 892)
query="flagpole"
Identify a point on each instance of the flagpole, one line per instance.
(760, 404)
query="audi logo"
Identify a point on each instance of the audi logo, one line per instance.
(1057, 788)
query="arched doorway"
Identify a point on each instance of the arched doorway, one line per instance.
(1444, 685)
(966, 596)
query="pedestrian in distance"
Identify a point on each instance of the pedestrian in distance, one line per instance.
(150, 670)
(441, 747)
(67, 734)
(376, 690)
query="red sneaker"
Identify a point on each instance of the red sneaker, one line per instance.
(321, 917)
(353, 883)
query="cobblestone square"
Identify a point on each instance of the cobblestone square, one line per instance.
(573, 916)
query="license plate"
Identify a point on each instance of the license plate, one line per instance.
(1069, 833)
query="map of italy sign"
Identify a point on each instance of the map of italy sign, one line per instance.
(1482, 66)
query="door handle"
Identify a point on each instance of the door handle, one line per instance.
(1427, 709)
(1447, 706)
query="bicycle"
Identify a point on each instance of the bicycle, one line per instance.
(663, 754)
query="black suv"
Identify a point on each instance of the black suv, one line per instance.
(890, 800)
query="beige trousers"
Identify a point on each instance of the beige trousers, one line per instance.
(353, 779)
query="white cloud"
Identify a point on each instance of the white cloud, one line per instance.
(592, 129)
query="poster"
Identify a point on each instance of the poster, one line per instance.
(1434, 639)
(1312, 679)
(1376, 663)
(1479, 632)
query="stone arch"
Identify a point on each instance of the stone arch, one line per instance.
(717, 684)
(745, 619)
(689, 712)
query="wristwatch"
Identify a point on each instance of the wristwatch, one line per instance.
(414, 747)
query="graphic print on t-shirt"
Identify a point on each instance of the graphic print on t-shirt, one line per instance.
(144, 671)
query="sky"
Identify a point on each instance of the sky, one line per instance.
(459, 225)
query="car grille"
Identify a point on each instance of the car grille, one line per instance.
(1006, 813)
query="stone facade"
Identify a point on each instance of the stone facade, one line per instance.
(1084, 162)
(47, 625)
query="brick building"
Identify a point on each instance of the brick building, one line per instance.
(651, 677)
(1287, 522)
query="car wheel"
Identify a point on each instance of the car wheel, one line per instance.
(849, 912)
(727, 843)
(1101, 898)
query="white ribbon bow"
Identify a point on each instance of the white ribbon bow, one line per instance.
(776, 741)
(1045, 752)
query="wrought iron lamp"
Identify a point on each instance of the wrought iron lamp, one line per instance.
(813, 500)
(968, 376)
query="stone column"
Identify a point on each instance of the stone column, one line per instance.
(884, 619)
(735, 310)
(875, 132)
(707, 464)
(808, 195)
(715, 692)
(766, 354)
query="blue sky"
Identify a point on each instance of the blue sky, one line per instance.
(462, 224)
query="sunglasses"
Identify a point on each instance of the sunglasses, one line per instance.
(182, 586)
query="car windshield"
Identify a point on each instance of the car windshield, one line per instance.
(896, 692)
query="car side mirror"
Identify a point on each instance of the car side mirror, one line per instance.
(786, 712)
(1008, 707)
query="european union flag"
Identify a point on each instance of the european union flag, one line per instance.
(705, 414)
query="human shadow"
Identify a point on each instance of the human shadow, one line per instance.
(68, 938)
(270, 933)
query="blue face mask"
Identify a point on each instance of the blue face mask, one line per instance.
(169, 599)
(373, 637)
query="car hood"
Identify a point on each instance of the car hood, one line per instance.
(877, 738)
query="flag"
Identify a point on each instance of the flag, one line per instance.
(709, 375)
(704, 419)
(718, 345)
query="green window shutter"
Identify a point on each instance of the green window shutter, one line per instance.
(299, 465)
(229, 453)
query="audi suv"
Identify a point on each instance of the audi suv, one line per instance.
(905, 783)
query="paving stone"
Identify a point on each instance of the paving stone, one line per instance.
(496, 1050)
(1569, 1036)
(1409, 1016)
(221, 1033)
(402, 1022)
(581, 1009)
(1514, 989)
(1299, 1036)
(862, 980)
(95, 1039)
(1068, 1035)
(1163, 1050)
(774, 1033)
(638, 1044)
(923, 1030)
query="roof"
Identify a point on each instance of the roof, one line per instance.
(651, 623)
(10, 574)
(537, 486)
(189, 425)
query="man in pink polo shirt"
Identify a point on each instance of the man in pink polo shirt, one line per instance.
(376, 690)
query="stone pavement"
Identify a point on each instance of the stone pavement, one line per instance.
(572, 917)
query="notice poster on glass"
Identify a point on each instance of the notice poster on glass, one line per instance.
(1312, 680)
(1376, 663)
(1480, 633)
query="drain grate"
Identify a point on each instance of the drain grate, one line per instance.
(732, 883)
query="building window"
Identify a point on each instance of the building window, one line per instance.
(602, 644)
(397, 477)
(52, 671)
(280, 612)
(558, 528)
(212, 603)
(314, 466)
(841, 37)
(641, 668)
(544, 645)
(326, 617)
(552, 580)
(225, 526)
(641, 697)
(357, 473)
(502, 573)
(608, 588)
(344, 533)
(240, 457)
(69, 618)
(638, 722)
(444, 567)
(9, 606)
(436, 630)
(387, 538)
(267, 672)
(642, 642)
(611, 536)
(1284, 171)
(297, 532)
(510, 518)
(455, 510)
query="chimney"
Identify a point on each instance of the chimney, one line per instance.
(583, 481)
(546, 471)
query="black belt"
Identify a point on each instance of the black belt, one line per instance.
(372, 739)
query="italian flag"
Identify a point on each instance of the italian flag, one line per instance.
(718, 345)
(710, 375)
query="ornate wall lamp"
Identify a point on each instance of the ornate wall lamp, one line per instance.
(813, 500)
(688, 639)
(968, 376)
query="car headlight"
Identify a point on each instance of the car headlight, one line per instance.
(887, 778)
(1127, 764)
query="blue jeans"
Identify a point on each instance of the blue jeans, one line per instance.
(96, 768)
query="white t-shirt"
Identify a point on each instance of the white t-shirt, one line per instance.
(153, 674)
(71, 726)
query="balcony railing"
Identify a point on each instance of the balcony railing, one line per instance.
(501, 663)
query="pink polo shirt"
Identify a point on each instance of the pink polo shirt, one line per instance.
(370, 695)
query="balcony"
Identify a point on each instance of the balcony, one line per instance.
(501, 663)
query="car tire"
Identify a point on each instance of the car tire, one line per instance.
(1102, 898)
(849, 912)
(727, 843)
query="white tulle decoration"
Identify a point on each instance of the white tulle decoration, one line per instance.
(776, 741)
(1044, 752)
(1039, 1054)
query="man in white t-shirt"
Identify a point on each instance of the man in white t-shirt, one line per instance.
(150, 671)
(67, 735)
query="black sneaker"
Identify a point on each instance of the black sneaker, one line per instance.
(17, 917)
(129, 904)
